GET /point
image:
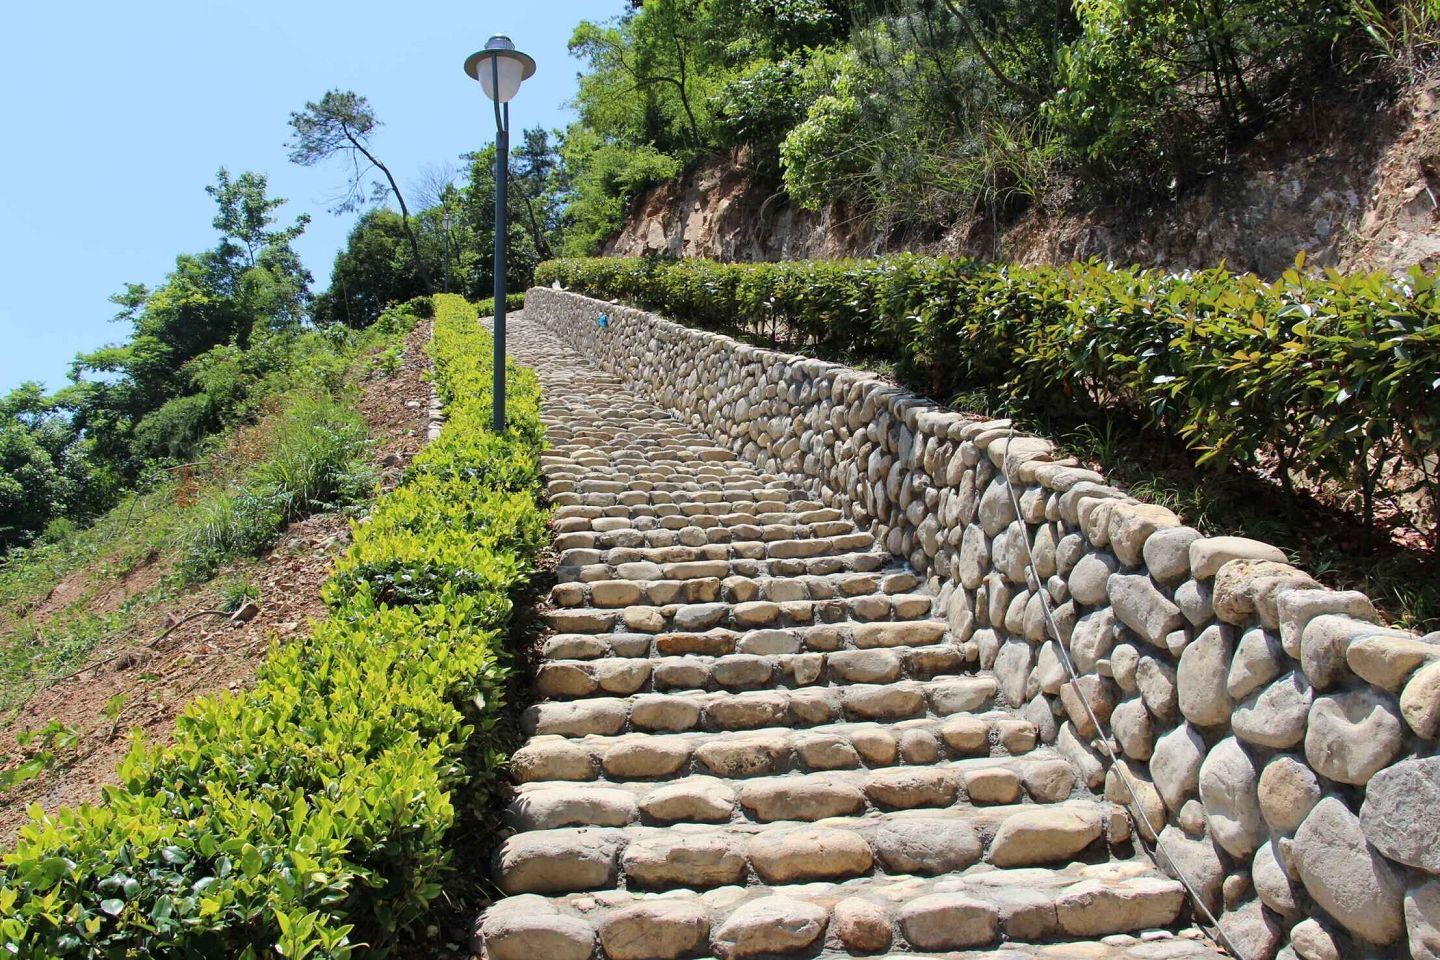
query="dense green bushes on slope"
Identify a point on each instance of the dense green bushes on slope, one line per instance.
(924, 112)
(1335, 377)
(310, 815)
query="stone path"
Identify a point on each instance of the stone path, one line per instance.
(753, 739)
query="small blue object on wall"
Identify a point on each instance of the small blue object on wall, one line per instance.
(603, 320)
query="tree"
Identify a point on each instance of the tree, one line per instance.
(369, 273)
(46, 468)
(245, 213)
(341, 124)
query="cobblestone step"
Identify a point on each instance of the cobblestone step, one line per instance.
(958, 912)
(716, 562)
(570, 679)
(841, 845)
(754, 709)
(724, 795)
(839, 746)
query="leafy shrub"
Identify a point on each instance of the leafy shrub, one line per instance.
(513, 301)
(311, 814)
(1334, 376)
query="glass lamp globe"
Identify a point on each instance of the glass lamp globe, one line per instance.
(500, 68)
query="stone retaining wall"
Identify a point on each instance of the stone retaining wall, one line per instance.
(1280, 739)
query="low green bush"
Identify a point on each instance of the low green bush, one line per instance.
(311, 815)
(1333, 377)
(513, 301)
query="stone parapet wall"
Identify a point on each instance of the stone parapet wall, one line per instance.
(1278, 737)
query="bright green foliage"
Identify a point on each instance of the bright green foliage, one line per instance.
(918, 113)
(311, 814)
(1337, 376)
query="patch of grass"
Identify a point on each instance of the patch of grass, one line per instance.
(235, 592)
(316, 463)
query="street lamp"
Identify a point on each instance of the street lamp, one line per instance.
(501, 69)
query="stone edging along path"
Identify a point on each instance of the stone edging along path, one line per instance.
(1279, 738)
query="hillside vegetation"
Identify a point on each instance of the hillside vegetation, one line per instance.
(915, 113)
(313, 814)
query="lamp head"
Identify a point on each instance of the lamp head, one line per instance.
(500, 68)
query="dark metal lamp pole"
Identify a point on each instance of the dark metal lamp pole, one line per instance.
(501, 78)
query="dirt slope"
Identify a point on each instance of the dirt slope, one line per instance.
(1353, 183)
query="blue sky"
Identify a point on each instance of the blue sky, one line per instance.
(116, 116)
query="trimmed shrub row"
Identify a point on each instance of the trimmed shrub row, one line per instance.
(1336, 378)
(309, 816)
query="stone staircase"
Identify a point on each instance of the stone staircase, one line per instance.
(755, 738)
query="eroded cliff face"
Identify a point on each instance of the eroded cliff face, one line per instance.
(1354, 185)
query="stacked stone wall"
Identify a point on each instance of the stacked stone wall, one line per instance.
(1278, 737)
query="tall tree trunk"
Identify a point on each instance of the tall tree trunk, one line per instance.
(420, 269)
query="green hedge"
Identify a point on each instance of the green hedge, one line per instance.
(309, 816)
(1333, 377)
(513, 302)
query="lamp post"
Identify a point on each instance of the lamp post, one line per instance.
(501, 69)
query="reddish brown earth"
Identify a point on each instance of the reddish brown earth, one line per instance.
(156, 673)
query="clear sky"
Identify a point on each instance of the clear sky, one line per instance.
(115, 116)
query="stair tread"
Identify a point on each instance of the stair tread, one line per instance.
(978, 907)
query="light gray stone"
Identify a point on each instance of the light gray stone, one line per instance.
(1088, 580)
(676, 859)
(770, 925)
(1175, 764)
(1132, 726)
(1196, 859)
(1387, 660)
(1271, 883)
(1155, 679)
(815, 853)
(1352, 734)
(1246, 588)
(658, 930)
(861, 925)
(924, 847)
(1131, 527)
(996, 510)
(1298, 607)
(949, 921)
(525, 927)
(1141, 606)
(1401, 813)
(1276, 715)
(1323, 644)
(1209, 554)
(1195, 598)
(1200, 679)
(1346, 876)
(1092, 638)
(1228, 789)
(1259, 658)
(1313, 942)
(1167, 553)
(1254, 933)
(1044, 835)
(1420, 701)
